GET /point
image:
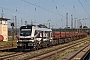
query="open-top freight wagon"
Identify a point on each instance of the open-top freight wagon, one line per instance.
(34, 37)
(63, 37)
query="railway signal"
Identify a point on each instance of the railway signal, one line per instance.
(12, 24)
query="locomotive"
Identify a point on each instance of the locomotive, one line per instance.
(34, 37)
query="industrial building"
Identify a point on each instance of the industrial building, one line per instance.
(4, 28)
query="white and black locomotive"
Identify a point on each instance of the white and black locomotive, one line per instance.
(32, 36)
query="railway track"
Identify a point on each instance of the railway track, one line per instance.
(79, 52)
(76, 54)
(41, 56)
(10, 55)
(48, 54)
(6, 46)
(86, 56)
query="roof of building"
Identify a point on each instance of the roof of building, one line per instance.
(4, 19)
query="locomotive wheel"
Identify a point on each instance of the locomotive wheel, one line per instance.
(34, 48)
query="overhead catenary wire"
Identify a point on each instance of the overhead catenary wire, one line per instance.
(42, 8)
(11, 10)
(24, 13)
(17, 11)
(55, 6)
(57, 9)
(74, 7)
(84, 8)
(87, 3)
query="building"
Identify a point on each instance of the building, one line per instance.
(4, 28)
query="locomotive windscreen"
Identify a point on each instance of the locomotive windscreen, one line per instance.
(25, 30)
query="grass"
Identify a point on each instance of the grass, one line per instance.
(5, 53)
(62, 54)
(67, 51)
(53, 48)
(44, 50)
(5, 43)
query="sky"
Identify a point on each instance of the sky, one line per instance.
(47, 11)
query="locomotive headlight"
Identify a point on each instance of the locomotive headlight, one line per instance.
(32, 38)
(50, 40)
(17, 40)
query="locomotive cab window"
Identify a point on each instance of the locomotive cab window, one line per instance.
(25, 32)
(35, 32)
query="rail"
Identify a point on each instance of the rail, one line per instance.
(86, 56)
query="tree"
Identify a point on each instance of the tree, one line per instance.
(85, 27)
(80, 26)
(42, 26)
